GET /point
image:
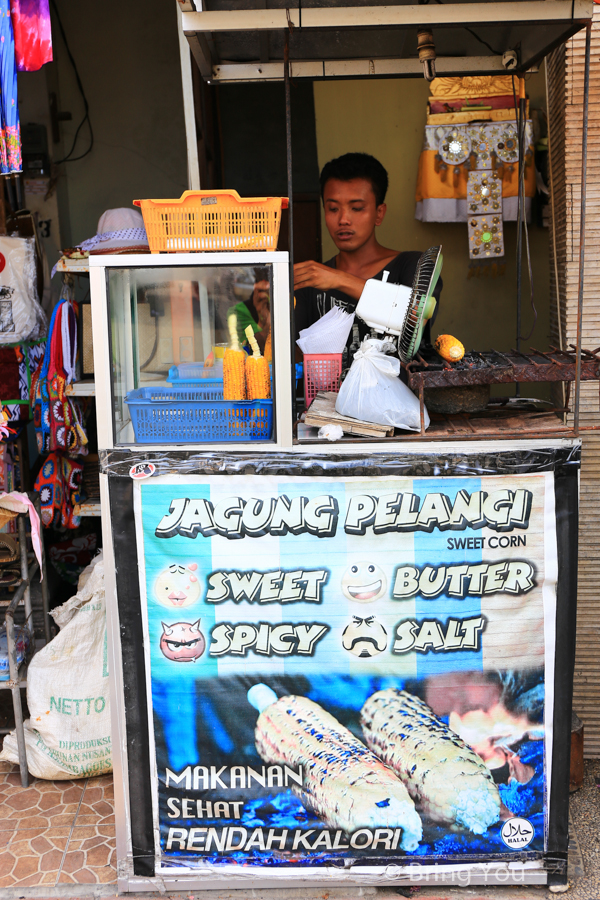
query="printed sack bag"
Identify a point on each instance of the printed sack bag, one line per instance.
(67, 734)
(21, 316)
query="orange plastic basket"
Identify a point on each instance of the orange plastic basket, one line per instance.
(212, 220)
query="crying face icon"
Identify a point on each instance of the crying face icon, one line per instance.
(364, 582)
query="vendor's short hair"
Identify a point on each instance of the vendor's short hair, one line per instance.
(357, 165)
(261, 273)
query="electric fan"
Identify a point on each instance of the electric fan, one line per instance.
(399, 310)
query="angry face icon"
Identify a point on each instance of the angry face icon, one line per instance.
(364, 637)
(364, 582)
(178, 586)
(182, 641)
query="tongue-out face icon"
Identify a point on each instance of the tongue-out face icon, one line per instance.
(364, 582)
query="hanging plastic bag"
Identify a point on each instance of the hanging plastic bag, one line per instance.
(373, 392)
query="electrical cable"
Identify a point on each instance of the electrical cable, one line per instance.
(86, 117)
(154, 348)
(470, 30)
(481, 41)
(522, 216)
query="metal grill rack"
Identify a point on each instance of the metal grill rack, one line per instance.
(494, 367)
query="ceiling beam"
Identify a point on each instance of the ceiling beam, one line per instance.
(201, 53)
(355, 68)
(500, 12)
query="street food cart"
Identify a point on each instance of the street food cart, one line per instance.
(333, 663)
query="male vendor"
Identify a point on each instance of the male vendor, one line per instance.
(353, 189)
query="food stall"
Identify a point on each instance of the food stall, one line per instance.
(333, 663)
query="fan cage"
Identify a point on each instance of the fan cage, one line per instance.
(421, 287)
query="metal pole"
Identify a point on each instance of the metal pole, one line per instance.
(189, 113)
(25, 570)
(521, 210)
(43, 575)
(586, 97)
(288, 144)
(554, 249)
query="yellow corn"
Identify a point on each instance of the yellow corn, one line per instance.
(449, 348)
(234, 372)
(234, 375)
(268, 351)
(258, 380)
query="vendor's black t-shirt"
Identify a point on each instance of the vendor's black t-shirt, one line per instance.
(312, 303)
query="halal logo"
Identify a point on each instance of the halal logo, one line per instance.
(517, 833)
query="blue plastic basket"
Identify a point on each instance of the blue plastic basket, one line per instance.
(190, 375)
(191, 415)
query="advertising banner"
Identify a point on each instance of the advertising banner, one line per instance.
(349, 669)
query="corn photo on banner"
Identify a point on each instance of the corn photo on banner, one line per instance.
(349, 668)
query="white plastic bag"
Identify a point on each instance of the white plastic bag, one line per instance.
(68, 732)
(373, 392)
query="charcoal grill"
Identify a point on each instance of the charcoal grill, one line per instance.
(429, 370)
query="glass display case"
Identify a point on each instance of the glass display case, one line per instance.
(166, 327)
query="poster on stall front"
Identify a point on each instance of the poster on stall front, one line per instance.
(349, 668)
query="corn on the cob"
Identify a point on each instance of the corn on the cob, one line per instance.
(344, 782)
(449, 348)
(258, 378)
(447, 780)
(268, 351)
(234, 362)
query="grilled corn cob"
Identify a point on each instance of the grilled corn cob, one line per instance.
(234, 360)
(447, 780)
(258, 378)
(344, 782)
(449, 348)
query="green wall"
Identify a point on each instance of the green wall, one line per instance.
(387, 118)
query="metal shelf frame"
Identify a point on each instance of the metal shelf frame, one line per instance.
(18, 673)
(244, 41)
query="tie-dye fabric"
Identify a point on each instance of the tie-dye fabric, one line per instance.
(33, 35)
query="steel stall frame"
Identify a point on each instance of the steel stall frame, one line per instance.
(129, 878)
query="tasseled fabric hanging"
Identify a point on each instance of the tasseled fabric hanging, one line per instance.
(58, 419)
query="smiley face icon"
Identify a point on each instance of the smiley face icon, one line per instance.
(364, 582)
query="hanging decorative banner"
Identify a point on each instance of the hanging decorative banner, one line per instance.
(453, 155)
(348, 670)
(484, 193)
(486, 237)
